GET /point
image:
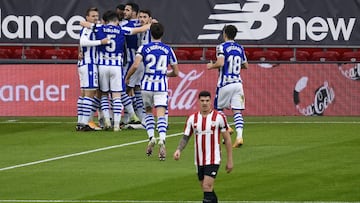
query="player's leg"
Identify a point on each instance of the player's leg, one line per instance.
(149, 121)
(89, 84)
(160, 102)
(207, 175)
(140, 111)
(79, 124)
(237, 105)
(222, 101)
(116, 87)
(104, 79)
(128, 108)
(117, 110)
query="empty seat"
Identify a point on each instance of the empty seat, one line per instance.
(351, 56)
(182, 54)
(74, 54)
(265, 55)
(56, 54)
(26, 54)
(210, 55)
(297, 56)
(196, 55)
(325, 56)
(5, 53)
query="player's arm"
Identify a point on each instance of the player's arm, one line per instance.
(218, 64)
(182, 144)
(245, 65)
(227, 141)
(174, 72)
(133, 68)
(141, 29)
(85, 39)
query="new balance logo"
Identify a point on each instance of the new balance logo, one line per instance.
(254, 21)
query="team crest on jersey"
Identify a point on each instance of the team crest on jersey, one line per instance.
(323, 97)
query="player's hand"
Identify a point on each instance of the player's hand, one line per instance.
(85, 24)
(153, 20)
(177, 154)
(105, 41)
(209, 65)
(229, 167)
(80, 56)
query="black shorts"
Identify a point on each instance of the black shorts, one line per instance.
(207, 170)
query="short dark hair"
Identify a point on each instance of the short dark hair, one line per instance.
(157, 30)
(204, 93)
(230, 31)
(147, 11)
(134, 6)
(121, 7)
(110, 15)
(91, 9)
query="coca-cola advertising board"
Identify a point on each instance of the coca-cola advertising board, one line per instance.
(270, 90)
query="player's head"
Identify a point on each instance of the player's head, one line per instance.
(131, 10)
(157, 30)
(110, 17)
(120, 11)
(145, 16)
(205, 101)
(229, 31)
(92, 15)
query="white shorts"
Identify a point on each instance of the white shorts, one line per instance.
(110, 78)
(154, 99)
(231, 95)
(135, 79)
(88, 75)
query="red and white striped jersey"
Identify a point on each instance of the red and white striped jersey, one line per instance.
(207, 135)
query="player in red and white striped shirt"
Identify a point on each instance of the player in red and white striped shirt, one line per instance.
(207, 126)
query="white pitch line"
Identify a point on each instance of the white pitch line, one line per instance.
(80, 153)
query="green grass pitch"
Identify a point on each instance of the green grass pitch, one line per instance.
(287, 159)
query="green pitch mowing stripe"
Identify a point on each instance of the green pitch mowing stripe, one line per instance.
(284, 159)
(80, 153)
(139, 201)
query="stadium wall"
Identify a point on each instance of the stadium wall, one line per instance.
(276, 90)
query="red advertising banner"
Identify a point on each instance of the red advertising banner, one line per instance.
(285, 89)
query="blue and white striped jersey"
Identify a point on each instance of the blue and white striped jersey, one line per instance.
(145, 37)
(157, 56)
(234, 57)
(112, 54)
(89, 52)
(132, 41)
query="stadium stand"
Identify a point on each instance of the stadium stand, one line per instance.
(350, 56)
(197, 55)
(56, 54)
(265, 55)
(254, 53)
(26, 53)
(182, 54)
(294, 55)
(325, 56)
(74, 54)
(5, 53)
